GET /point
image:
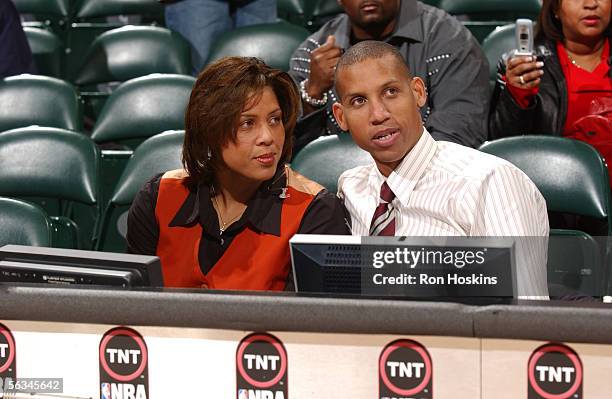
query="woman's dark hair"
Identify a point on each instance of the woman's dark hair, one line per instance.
(549, 26)
(218, 97)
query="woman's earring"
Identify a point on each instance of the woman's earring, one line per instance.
(209, 154)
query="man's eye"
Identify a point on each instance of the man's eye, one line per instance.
(358, 101)
(391, 91)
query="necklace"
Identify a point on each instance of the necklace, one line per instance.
(573, 61)
(224, 224)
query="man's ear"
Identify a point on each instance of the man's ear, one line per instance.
(420, 93)
(339, 115)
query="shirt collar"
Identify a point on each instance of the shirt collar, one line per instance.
(408, 26)
(263, 210)
(407, 174)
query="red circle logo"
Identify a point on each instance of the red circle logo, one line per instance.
(421, 353)
(570, 355)
(126, 332)
(8, 339)
(267, 340)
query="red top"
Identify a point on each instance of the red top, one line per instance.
(583, 86)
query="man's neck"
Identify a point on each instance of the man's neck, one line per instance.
(374, 33)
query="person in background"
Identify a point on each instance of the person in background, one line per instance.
(436, 47)
(15, 54)
(418, 186)
(201, 22)
(565, 89)
(225, 220)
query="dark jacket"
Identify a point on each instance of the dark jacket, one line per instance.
(438, 49)
(15, 54)
(548, 110)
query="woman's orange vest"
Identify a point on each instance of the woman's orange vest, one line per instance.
(253, 261)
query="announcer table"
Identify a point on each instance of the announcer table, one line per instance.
(332, 347)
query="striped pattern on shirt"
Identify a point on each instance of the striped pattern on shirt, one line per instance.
(445, 189)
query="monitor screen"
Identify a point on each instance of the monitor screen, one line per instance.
(414, 267)
(25, 264)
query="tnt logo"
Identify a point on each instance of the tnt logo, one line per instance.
(405, 370)
(7, 353)
(261, 367)
(124, 356)
(123, 365)
(554, 372)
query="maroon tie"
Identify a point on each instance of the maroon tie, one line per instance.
(383, 221)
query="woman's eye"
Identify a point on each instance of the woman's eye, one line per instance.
(275, 120)
(246, 124)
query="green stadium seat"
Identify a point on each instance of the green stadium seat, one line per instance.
(58, 8)
(94, 17)
(23, 223)
(38, 100)
(311, 14)
(483, 17)
(500, 41)
(132, 51)
(59, 169)
(274, 43)
(48, 14)
(104, 8)
(138, 109)
(492, 10)
(155, 155)
(143, 107)
(129, 52)
(324, 159)
(572, 177)
(47, 50)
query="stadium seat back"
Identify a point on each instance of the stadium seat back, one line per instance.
(38, 100)
(324, 159)
(53, 164)
(500, 41)
(23, 223)
(573, 178)
(104, 8)
(570, 174)
(274, 43)
(133, 51)
(574, 261)
(155, 155)
(58, 8)
(144, 107)
(46, 49)
(478, 10)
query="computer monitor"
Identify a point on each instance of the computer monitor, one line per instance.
(25, 264)
(454, 267)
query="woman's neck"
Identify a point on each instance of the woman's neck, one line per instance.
(585, 49)
(233, 191)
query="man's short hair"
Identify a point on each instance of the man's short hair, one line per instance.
(368, 49)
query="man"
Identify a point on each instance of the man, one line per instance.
(428, 187)
(436, 47)
(201, 22)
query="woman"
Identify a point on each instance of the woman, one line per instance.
(568, 92)
(224, 222)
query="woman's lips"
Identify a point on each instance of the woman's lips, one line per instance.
(266, 159)
(591, 20)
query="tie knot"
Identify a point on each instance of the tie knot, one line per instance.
(386, 194)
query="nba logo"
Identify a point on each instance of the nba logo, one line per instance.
(242, 394)
(106, 394)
